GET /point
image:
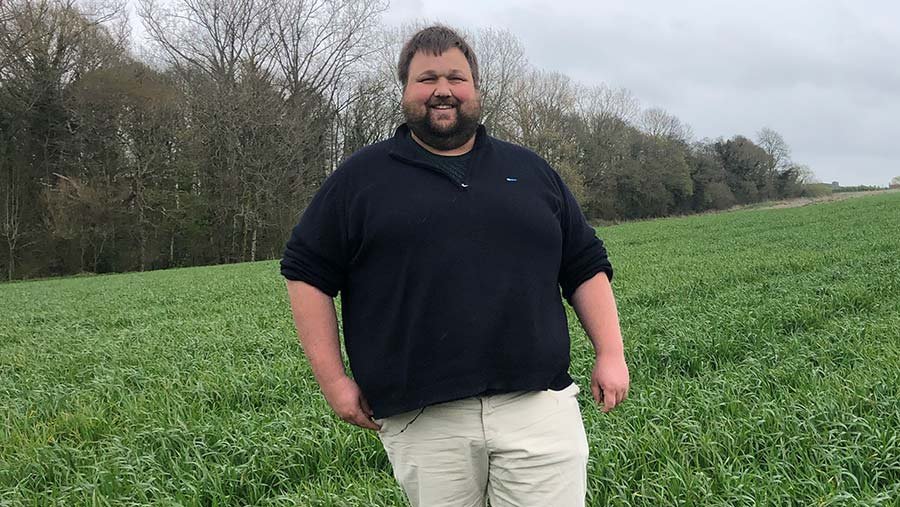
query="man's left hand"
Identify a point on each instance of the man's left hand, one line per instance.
(610, 380)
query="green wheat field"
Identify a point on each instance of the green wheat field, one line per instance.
(764, 348)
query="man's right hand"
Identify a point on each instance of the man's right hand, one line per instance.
(348, 402)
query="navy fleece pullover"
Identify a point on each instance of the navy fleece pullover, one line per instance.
(449, 288)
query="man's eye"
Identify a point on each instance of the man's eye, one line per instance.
(457, 79)
(426, 80)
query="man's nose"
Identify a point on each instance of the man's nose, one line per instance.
(442, 89)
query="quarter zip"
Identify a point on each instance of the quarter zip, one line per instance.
(418, 163)
(482, 145)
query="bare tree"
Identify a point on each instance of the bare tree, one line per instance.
(501, 64)
(656, 122)
(805, 175)
(605, 134)
(543, 111)
(17, 20)
(604, 103)
(370, 117)
(540, 104)
(213, 36)
(11, 227)
(773, 144)
(317, 42)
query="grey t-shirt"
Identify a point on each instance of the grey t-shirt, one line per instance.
(453, 166)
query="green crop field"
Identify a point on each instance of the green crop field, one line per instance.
(764, 349)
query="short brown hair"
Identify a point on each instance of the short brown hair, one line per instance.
(435, 40)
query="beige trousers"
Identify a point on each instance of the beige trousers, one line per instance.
(516, 449)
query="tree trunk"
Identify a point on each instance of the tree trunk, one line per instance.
(12, 261)
(172, 237)
(142, 238)
(253, 244)
(98, 250)
(232, 255)
(245, 216)
(13, 220)
(81, 243)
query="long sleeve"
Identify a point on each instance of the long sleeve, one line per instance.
(318, 251)
(583, 252)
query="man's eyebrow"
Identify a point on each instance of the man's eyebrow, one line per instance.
(433, 73)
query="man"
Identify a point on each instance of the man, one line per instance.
(449, 248)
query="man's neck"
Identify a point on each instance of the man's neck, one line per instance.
(462, 150)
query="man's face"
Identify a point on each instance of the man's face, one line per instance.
(440, 102)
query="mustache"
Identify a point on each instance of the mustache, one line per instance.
(449, 101)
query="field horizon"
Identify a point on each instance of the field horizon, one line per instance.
(764, 347)
(598, 223)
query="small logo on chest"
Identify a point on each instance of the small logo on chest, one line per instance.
(512, 179)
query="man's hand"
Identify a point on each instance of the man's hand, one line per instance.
(595, 305)
(316, 322)
(610, 380)
(348, 402)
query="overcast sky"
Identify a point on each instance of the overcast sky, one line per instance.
(825, 74)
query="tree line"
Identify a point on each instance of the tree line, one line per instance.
(205, 147)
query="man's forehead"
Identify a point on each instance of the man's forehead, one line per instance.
(426, 60)
(437, 52)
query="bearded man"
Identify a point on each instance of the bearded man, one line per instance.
(450, 249)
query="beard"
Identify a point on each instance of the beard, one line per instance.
(443, 137)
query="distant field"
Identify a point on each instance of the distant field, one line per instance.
(764, 348)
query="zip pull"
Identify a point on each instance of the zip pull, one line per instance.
(464, 185)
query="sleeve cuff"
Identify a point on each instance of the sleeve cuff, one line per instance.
(304, 267)
(583, 271)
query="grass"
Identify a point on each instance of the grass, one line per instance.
(764, 348)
